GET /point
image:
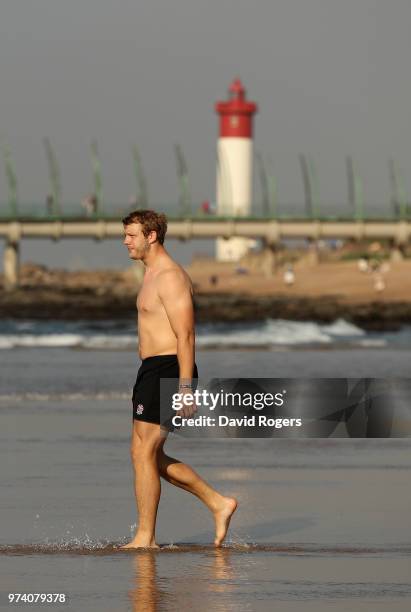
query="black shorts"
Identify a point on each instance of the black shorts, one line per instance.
(146, 391)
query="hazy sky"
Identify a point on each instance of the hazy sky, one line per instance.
(330, 77)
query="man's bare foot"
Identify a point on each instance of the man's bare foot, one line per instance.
(222, 519)
(141, 543)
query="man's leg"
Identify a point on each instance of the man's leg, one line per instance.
(145, 441)
(184, 477)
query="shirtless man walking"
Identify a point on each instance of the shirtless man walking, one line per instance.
(166, 347)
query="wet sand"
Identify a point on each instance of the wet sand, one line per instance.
(217, 580)
(322, 524)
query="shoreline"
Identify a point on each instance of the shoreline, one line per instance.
(71, 305)
(322, 293)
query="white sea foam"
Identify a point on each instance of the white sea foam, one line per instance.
(45, 341)
(35, 396)
(265, 334)
(63, 340)
(109, 342)
(340, 327)
(373, 343)
(280, 332)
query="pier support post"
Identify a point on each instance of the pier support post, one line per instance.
(269, 259)
(397, 254)
(397, 250)
(11, 258)
(313, 254)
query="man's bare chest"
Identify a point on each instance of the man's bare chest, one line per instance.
(148, 300)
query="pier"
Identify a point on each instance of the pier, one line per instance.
(270, 231)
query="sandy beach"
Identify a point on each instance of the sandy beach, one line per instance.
(341, 280)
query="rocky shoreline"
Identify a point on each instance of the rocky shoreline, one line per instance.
(76, 304)
(97, 295)
(373, 316)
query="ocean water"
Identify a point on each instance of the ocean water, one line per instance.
(269, 334)
(322, 524)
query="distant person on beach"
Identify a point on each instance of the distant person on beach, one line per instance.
(167, 348)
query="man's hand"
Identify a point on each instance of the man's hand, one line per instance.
(189, 407)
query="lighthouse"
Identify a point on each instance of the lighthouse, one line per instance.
(234, 165)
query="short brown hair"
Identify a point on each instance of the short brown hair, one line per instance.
(150, 221)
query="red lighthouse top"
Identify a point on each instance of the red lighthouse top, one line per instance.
(236, 114)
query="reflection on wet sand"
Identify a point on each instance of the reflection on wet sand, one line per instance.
(213, 575)
(146, 594)
(222, 571)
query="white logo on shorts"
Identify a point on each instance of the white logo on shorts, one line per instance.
(140, 409)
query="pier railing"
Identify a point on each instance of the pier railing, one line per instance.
(271, 231)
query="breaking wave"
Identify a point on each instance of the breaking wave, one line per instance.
(114, 335)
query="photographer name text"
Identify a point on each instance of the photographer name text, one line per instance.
(225, 421)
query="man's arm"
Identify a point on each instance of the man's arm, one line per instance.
(175, 293)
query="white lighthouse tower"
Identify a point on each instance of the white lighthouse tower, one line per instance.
(234, 165)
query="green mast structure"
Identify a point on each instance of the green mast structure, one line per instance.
(315, 188)
(349, 165)
(355, 190)
(359, 197)
(54, 177)
(98, 182)
(185, 206)
(308, 197)
(141, 182)
(311, 186)
(11, 180)
(398, 193)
